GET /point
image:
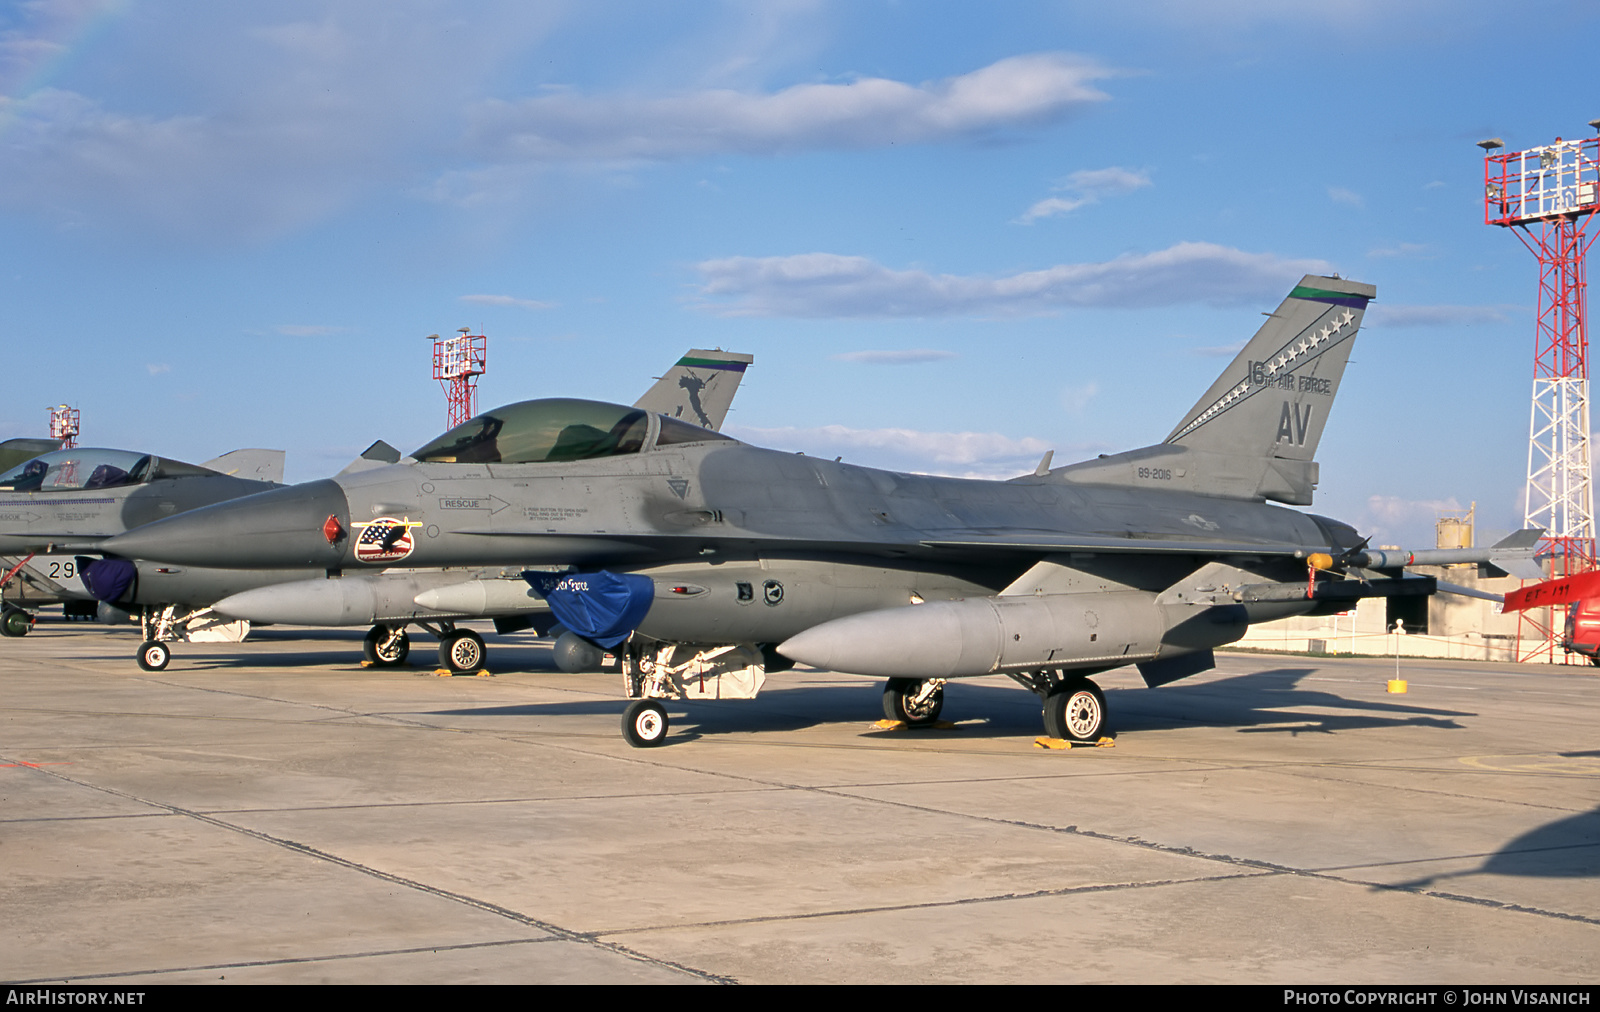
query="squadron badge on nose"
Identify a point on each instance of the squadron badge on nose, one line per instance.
(384, 540)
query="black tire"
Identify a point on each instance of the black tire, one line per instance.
(576, 655)
(462, 651)
(16, 623)
(644, 723)
(1076, 711)
(897, 695)
(153, 656)
(385, 655)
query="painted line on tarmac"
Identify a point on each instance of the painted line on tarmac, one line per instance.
(243, 964)
(1254, 864)
(555, 930)
(1106, 887)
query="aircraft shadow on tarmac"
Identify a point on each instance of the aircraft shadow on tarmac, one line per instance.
(341, 648)
(1265, 702)
(1270, 701)
(1565, 848)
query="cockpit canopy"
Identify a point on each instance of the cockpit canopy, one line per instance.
(556, 429)
(92, 468)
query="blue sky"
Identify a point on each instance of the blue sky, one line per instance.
(953, 235)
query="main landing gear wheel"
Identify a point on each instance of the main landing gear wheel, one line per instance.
(462, 651)
(1076, 711)
(900, 703)
(16, 623)
(384, 650)
(153, 656)
(644, 723)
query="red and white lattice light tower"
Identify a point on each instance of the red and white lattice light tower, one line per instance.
(457, 364)
(1546, 195)
(64, 425)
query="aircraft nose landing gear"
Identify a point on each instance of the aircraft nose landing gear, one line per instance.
(154, 656)
(912, 702)
(644, 723)
(385, 647)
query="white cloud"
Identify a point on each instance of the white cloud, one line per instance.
(1340, 195)
(1409, 523)
(34, 32)
(507, 300)
(831, 285)
(269, 126)
(907, 356)
(1381, 315)
(869, 112)
(1109, 180)
(265, 127)
(1392, 509)
(1050, 207)
(1089, 185)
(1076, 398)
(156, 369)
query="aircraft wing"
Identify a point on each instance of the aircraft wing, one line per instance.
(1003, 541)
(1012, 541)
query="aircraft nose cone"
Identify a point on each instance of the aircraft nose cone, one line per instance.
(285, 528)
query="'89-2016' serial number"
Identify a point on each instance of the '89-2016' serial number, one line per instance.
(1156, 473)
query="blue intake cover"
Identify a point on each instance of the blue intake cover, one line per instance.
(106, 579)
(601, 607)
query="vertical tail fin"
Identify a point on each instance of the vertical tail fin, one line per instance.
(1273, 400)
(699, 389)
(1254, 434)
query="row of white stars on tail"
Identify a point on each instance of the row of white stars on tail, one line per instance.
(1293, 352)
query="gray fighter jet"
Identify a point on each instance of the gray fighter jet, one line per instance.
(59, 503)
(705, 563)
(209, 604)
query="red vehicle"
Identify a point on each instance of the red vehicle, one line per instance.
(1582, 633)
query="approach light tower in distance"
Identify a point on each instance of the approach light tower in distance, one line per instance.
(1546, 196)
(64, 425)
(457, 364)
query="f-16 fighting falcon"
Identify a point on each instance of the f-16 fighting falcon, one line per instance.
(202, 603)
(705, 563)
(59, 502)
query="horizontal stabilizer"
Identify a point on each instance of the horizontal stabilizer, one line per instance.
(257, 465)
